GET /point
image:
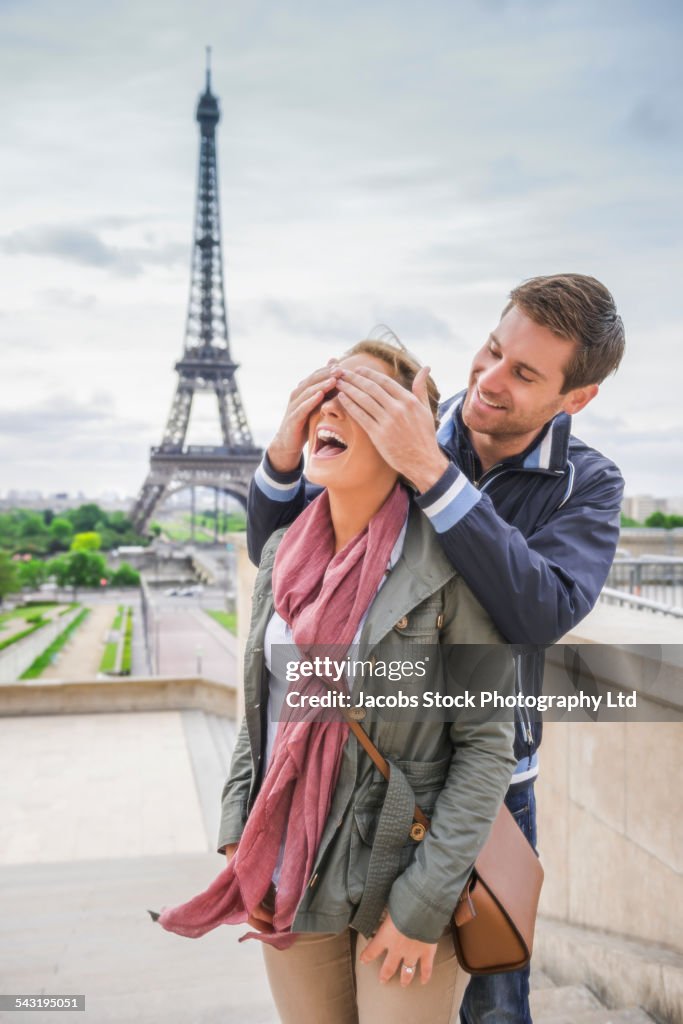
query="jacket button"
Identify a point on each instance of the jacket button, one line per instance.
(402, 622)
(314, 881)
(357, 714)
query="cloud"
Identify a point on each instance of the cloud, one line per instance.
(648, 122)
(67, 298)
(415, 324)
(294, 318)
(62, 419)
(86, 248)
(410, 324)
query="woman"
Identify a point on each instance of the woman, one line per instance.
(320, 862)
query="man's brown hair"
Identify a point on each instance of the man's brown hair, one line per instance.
(582, 310)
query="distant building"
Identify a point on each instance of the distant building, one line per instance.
(640, 506)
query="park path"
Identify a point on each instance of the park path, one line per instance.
(81, 657)
(191, 643)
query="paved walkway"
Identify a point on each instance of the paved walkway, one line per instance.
(81, 657)
(100, 785)
(102, 821)
(191, 643)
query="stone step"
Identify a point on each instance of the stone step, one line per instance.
(631, 1015)
(624, 971)
(539, 979)
(566, 1002)
(224, 733)
(210, 741)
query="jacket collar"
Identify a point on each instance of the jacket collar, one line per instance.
(421, 570)
(547, 453)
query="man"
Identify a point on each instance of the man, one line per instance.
(527, 513)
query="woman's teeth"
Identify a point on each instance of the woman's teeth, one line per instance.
(329, 443)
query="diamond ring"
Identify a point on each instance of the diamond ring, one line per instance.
(407, 969)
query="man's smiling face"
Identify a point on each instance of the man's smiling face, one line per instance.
(516, 380)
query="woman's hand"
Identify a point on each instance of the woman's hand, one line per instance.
(285, 449)
(260, 919)
(401, 953)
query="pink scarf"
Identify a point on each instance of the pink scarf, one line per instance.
(323, 596)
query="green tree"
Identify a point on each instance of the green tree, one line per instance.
(8, 530)
(9, 582)
(657, 519)
(59, 569)
(91, 541)
(627, 521)
(48, 516)
(119, 522)
(32, 574)
(61, 534)
(125, 576)
(109, 538)
(85, 517)
(32, 525)
(85, 569)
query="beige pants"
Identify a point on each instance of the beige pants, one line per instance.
(320, 980)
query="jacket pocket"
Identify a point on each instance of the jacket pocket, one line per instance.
(426, 779)
(423, 623)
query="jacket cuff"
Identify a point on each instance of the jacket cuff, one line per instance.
(449, 500)
(406, 906)
(275, 485)
(232, 824)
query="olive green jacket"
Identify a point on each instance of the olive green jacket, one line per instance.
(456, 770)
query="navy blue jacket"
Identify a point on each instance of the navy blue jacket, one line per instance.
(534, 537)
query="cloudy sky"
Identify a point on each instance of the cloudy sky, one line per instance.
(381, 161)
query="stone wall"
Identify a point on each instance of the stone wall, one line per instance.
(610, 796)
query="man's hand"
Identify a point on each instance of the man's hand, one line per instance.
(399, 423)
(261, 920)
(401, 953)
(285, 449)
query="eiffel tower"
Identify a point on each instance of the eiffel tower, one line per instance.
(206, 364)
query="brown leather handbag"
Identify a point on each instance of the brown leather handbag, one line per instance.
(493, 922)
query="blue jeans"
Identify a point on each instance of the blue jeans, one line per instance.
(504, 998)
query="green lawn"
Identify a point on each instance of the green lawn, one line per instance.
(32, 615)
(180, 528)
(36, 668)
(24, 613)
(127, 655)
(228, 620)
(108, 662)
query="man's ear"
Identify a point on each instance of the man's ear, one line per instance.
(578, 398)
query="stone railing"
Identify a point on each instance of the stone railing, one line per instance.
(39, 697)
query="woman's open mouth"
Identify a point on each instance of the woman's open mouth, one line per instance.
(328, 443)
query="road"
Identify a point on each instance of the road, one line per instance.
(190, 643)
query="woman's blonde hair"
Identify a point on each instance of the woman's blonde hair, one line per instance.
(405, 366)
